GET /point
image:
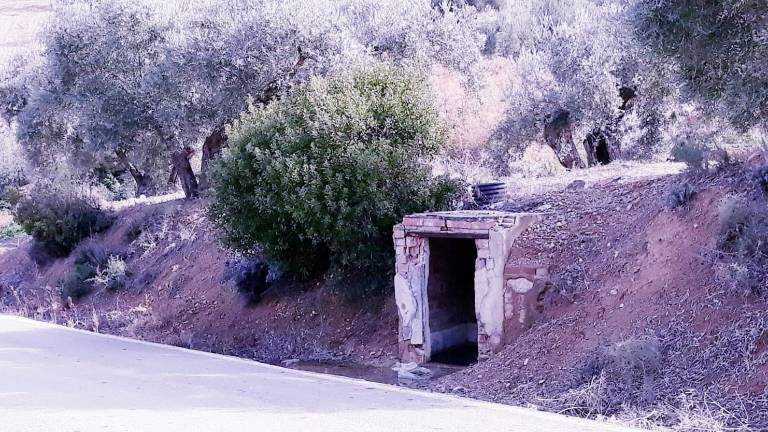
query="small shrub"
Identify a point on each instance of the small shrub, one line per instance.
(113, 274)
(59, 218)
(74, 286)
(760, 177)
(10, 231)
(91, 254)
(743, 244)
(39, 255)
(741, 277)
(135, 231)
(743, 227)
(79, 282)
(692, 155)
(618, 374)
(251, 276)
(680, 195)
(318, 179)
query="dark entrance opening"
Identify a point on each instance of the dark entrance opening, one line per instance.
(451, 300)
(602, 155)
(596, 145)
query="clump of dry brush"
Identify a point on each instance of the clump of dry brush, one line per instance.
(742, 244)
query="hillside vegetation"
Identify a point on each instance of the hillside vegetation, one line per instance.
(225, 176)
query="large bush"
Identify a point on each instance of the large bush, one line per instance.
(318, 179)
(59, 217)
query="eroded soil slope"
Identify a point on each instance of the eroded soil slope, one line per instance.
(179, 292)
(639, 321)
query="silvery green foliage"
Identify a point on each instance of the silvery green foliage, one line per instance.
(35, 116)
(417, 33)
(223, 54)
(567, 56)
(85, 97)
(131, 81)
(645, 130)
(720, 48)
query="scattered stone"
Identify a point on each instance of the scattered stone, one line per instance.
(411, 371)
(289, 362)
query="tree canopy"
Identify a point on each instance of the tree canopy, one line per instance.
(127, 84)
(720, 48)
(138, 87)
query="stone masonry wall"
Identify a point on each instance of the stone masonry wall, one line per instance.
(494, 234)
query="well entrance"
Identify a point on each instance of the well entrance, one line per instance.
(451, 300)
(457, 299)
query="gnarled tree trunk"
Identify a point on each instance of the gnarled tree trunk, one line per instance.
(212, 147)
(602, 145)
(558, 134)
(182, 170)
(217, 140)
(144, 184)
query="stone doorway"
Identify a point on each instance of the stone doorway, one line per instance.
(451, 284)
(451, 300)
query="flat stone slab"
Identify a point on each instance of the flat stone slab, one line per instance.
(463, 223)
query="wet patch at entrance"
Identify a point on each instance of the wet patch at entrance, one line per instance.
(383, 375)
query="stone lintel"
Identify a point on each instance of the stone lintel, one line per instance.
(437, 232)
(461, 223)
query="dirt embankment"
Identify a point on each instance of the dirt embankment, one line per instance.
(179, 291)
(638, 322)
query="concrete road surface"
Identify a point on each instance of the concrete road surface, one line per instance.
(56, 379)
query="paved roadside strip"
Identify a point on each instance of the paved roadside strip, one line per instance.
(57, 379)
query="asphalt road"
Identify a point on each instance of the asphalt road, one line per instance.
(56, 379)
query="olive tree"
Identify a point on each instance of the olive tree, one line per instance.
(224, 55)
(258, 50)
(720, 48)
(141, 86)
(85, 97)
(580, 82)
(567, 56)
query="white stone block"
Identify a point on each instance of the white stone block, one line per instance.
(520, 285)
